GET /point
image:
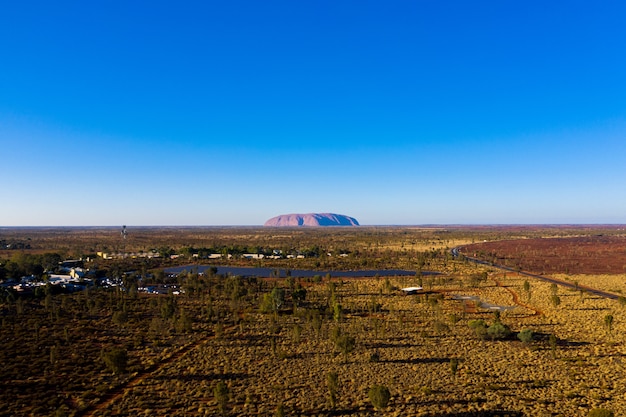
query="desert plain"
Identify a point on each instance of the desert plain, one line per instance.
(480, 338)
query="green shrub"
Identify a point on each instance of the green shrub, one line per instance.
(479, 327)
(379, 395)
(498, 331)
(267, 304)
(526, 336)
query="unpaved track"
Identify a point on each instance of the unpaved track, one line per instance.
(516, 299)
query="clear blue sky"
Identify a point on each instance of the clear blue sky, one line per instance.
(231, 112)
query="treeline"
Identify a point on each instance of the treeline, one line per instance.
(237, 250)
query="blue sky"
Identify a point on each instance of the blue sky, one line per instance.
(232, 112)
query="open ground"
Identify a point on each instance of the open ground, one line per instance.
(266, 346)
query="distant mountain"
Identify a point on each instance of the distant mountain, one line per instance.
(312, 219)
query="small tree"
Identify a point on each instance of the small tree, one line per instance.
(278, 297)
(379, 395)
(168, 308)
(298, 294)
(272, 302)
(184, 322)
(554, 289)
(556, 300)
(454, 366)
(527, 288)
(295, 333)
(266, 305)
(316, 322)
(337, 312)
(608, 322)
(54, 354)
(346, 344)
(553, 343)
(332, 382)
(220, 392)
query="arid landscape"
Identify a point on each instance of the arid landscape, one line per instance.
(477, 340)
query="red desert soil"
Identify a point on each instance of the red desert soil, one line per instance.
(575, 255)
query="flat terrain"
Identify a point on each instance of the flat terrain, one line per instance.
(572, 255)
(273, 342)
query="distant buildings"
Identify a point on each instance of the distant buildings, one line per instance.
(125, 255)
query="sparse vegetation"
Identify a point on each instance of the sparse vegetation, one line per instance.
(210, 348)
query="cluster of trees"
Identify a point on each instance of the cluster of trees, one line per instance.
(235, 250)
(495, 331)
(24, 264)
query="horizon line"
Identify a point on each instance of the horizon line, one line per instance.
(315, 227)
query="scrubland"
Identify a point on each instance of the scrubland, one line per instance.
(262, 346)
(408, 344)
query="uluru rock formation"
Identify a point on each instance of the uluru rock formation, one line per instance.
(312, 219)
